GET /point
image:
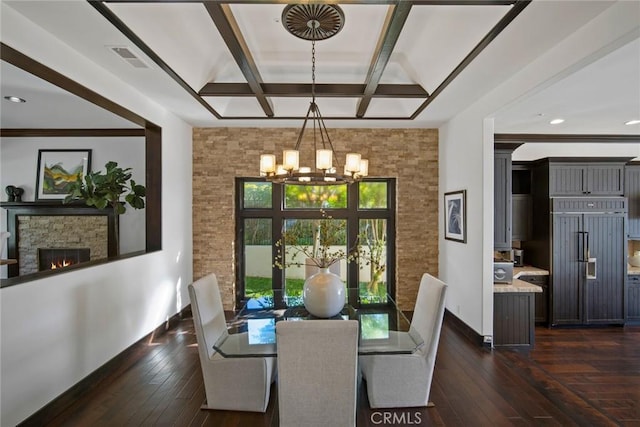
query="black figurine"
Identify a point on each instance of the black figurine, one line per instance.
(17, 194)
(9, 189)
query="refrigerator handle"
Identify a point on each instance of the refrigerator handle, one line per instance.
(586, 246)
(581, 247)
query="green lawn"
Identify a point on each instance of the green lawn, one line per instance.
(256, 287)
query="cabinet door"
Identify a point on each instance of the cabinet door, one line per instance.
(605, 180)
(541, 298)
(502, 201)
(604, 297)
(568, 271)
(632, 192)
(567, 180)
(521, 216)
(633, 298)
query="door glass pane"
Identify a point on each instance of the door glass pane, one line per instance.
(373, 195)
(315, 196)
(309, 238)
(258, 260)
(372, 272)
(257, 195)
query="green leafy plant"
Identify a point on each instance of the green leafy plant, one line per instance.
(318, 241)
(106, 189)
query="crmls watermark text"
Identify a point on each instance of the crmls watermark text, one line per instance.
(396, 418)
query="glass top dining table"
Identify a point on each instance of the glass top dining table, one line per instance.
(384, 329)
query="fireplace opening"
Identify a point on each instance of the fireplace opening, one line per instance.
(54, 258)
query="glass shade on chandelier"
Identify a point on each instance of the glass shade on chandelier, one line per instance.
(313, 22)
(325, 172)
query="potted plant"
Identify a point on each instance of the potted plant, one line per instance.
(320, 244)
(103, 189)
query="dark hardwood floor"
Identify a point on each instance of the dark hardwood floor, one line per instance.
(574, 377)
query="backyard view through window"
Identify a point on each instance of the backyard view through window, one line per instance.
(354, 221)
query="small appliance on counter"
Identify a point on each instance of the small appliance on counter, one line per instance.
(518, 257)
(502, 271)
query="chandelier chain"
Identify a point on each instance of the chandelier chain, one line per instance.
(313, 71)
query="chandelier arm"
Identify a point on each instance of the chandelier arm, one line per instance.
(326, 132)
(304, 125)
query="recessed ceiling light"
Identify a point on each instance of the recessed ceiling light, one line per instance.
(15, 99)
(556, 121)
(633, 122)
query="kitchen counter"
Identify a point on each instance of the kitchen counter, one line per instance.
(631, 270)
(518, 285)
(528, 270)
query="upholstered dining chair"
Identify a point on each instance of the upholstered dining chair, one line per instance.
(235, 384)
(317, 372)
(404, 380)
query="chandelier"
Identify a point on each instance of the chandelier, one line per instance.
(313, 22)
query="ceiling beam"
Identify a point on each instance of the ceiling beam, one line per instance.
(369, 2)
(232, 36)
(59, 132)
(518, 7)
(127, 32)
(394, 22)
(334, 90)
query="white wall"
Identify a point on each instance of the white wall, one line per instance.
(466, 147)
(19, 160)
(57, 330)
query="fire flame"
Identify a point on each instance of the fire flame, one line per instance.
(61, 264)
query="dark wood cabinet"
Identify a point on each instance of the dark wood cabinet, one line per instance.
(502, 200)
(633, 298)
(541, 298)
(580, 179)
(513, 319)
(589, 260)
(520, 217)
(632, 192)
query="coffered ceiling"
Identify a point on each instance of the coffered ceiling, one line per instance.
(394, 64)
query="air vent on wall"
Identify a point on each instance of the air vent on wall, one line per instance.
(126, 54)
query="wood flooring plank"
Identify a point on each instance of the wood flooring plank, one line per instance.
(573, 377)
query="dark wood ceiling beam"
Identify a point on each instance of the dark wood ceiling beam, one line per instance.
(232, 36)
(394, 22)
(55, 132)
(515, 10)
(367, 2)
(127, 32)
(321, 90)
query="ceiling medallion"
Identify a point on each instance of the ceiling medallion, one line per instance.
(313, 22)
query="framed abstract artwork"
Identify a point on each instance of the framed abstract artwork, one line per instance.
(57, 169)
(455, 216)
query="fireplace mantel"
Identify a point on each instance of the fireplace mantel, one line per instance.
(51, 208)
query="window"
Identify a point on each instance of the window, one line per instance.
(365, 211)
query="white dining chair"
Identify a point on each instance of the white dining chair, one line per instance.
(235, 384)
(404, 380)
(317, 372)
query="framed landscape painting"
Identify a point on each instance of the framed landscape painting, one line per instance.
(57, 169)
(455, 216)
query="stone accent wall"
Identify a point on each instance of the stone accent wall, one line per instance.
(56, 231)
(410, 155)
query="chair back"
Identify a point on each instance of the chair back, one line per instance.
(317, 372)
(208, 313)
(429, 312)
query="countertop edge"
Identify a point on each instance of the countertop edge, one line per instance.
(516, 286)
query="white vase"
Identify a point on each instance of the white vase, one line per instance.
(324, 294)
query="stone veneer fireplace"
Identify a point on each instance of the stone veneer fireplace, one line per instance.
(53, 225)
(41, 232)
